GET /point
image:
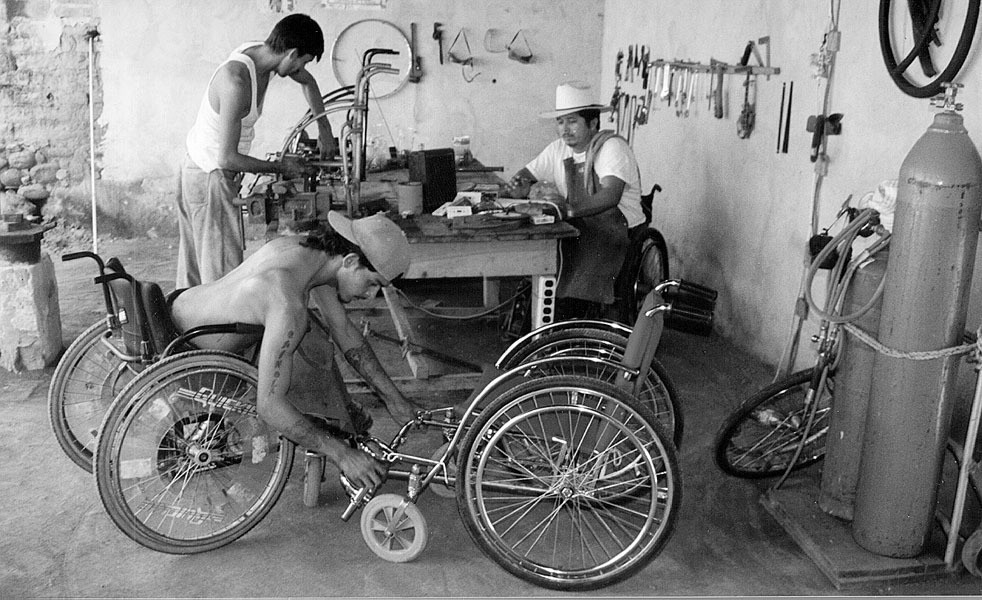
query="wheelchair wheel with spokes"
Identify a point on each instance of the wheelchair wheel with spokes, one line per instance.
(658, 391)
(84, 383)
(761, 437)
(183, 462)
(568, 483)
(645, 266)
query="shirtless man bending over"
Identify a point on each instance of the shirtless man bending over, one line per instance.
(272, 288)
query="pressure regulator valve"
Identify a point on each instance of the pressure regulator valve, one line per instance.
(947, 100)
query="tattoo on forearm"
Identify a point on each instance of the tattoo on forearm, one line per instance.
(363, 360)
(284, 350)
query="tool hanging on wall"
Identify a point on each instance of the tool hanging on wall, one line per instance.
(787, 121)
(622, 114)
(681, 91)
(780, 117)
(693, 87)
(438, 36)
(645, 67)
(516, 52)
(616, 96)
(718, 90)
(416, 66)
(464, 57)
(821, 126)
(748, 114)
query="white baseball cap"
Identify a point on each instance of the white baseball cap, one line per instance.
(382, 241)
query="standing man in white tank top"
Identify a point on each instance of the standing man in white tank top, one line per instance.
(211, 241)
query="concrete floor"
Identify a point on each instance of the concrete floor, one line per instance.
(56, 540)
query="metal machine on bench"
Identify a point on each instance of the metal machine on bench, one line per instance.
(336, 183)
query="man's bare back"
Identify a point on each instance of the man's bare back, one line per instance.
(278, 277)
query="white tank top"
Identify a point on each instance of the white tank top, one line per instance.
(202, 140)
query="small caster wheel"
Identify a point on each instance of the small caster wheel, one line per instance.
(313, 475)
(437, 485)
(394, 528)
(972, 553)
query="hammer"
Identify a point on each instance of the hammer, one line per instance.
(438, 36)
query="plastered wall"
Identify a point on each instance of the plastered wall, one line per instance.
(735, 212)
(157, 57)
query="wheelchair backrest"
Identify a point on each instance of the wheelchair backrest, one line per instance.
(147, 328)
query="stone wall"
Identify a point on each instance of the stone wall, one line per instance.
(44, 106)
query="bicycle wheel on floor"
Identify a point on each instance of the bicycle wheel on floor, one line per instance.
(183, 462)
(84, 383)
(658, 390)
(760, 438)
(568, 483)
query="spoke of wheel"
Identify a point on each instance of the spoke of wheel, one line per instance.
(509, 468)
(524, 507)
(589, 527)
(779, 439)
(608, 506)
(541, 525)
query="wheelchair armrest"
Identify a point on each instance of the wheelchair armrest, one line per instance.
(194, 332)
(106, 278)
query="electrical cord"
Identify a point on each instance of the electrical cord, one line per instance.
(485, 313)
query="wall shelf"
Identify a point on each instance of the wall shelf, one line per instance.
(715, 66)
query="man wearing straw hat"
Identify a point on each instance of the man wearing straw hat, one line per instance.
(597, 175)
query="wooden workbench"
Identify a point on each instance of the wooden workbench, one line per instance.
(480, 246)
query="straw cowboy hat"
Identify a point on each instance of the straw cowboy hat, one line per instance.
(571, 97)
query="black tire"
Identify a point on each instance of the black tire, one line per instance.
(659, 392)
(645, 266)
(183, 463)
(947, 74)
(761, 436)
(84, 383)
(568, 483)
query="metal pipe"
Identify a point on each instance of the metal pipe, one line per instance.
(91, 35)
(967, 463)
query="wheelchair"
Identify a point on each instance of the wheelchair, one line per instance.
(567, 481)
(645, 265)
(106, 356)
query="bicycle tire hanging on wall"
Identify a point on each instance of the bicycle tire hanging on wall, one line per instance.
(912, 32)
(349, 49)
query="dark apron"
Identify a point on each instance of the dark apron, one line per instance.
(592, 260)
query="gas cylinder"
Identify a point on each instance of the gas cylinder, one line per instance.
(853, 377)
(925, 299)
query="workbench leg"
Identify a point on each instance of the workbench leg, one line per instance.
(492, 292)
(417, 362)
(543, 300)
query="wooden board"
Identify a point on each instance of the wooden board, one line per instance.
(828, 541)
